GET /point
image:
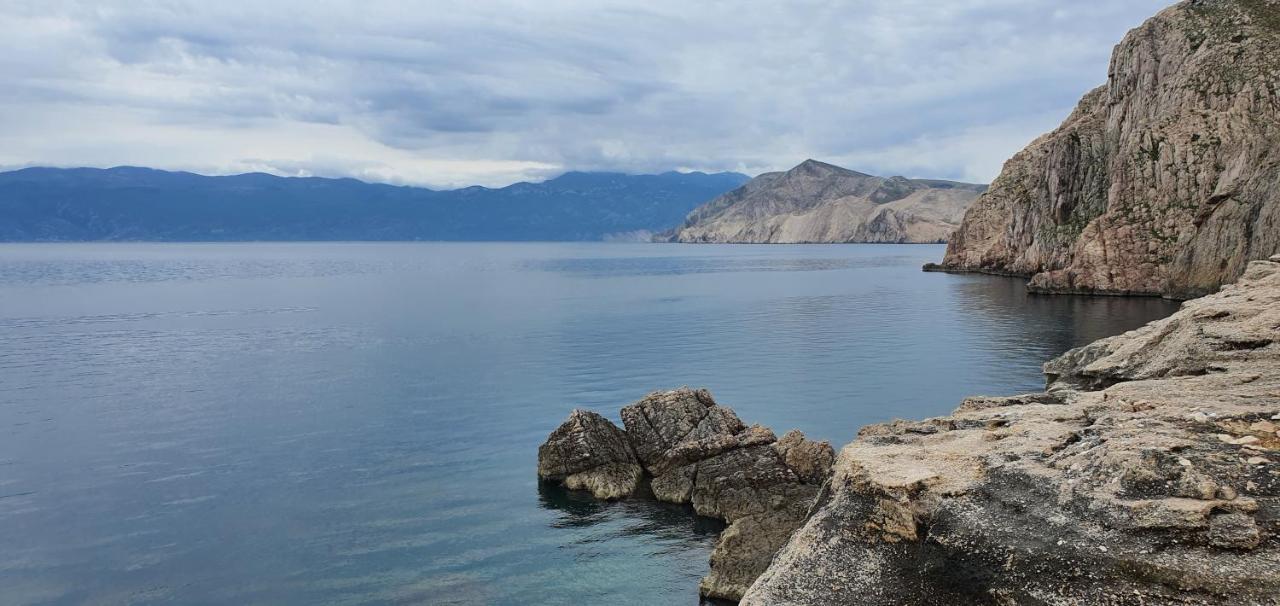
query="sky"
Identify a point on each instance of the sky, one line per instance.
(447, 93)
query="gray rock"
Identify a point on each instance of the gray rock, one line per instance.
(699, 452)
(809, 460)
(588, 452)
(664, 419)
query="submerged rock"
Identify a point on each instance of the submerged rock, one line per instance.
(1145, 474)
(700, 453)
(589, 452)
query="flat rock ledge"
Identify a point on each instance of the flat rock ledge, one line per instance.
(697, 452)
(1147, 473)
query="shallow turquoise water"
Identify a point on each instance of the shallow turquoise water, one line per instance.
(358, 423)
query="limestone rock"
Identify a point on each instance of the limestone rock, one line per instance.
(700, 453)
(589, 452)
(819, 202)
(1116, 486)
(664, 419)
(809, 460)
(1166, 180)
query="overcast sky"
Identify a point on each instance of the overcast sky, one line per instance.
(446, 93)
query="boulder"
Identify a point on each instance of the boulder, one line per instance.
(589, 452)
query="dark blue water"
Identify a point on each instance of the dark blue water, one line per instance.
(358, 423)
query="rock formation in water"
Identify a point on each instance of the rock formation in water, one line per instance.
(588, 452)
(818, 202)
(1147, 473)
(697, 452)
(1166, 180)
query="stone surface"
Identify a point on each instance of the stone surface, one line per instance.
(700, 453)
(819, 202)
(1166, 180)
(589, 452)
(1144, 474)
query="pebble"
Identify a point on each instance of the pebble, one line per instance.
(1257, 460)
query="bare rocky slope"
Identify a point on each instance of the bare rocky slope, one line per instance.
(1165, 180)
(819, 202)
(1147, 473)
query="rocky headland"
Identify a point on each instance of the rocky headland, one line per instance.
(1163, 181)
(820, 202)
(692, 450)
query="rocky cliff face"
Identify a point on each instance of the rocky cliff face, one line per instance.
(695, 451)
(1147, 473)
(1166, 180)
(818, 202)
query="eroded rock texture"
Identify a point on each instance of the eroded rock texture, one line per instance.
(1147, 473)
(589, 452)
(1166, 180)
(820, 202)
(700, 453)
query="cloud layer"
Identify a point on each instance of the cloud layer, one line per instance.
(452, 92)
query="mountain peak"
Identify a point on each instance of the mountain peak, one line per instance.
(811, 167)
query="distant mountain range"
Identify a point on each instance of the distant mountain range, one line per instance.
(128, 203)
(820, 202)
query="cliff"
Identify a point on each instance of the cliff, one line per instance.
(1166, 180)
(819, 202)
(1147, 473)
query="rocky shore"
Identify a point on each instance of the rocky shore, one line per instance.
(694, 451)
(1148, 472)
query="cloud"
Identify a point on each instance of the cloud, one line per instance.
(452, 92)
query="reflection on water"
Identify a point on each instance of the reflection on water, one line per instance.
(650, 516)
(1026, 330)
(358, 423)
(649, 266)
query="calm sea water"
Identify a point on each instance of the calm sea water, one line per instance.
(358, 423)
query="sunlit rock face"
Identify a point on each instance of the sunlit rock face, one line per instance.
(1165, 180)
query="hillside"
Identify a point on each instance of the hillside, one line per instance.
(820, 202)
(127, 203)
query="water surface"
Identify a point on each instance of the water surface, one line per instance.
(358, 423)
